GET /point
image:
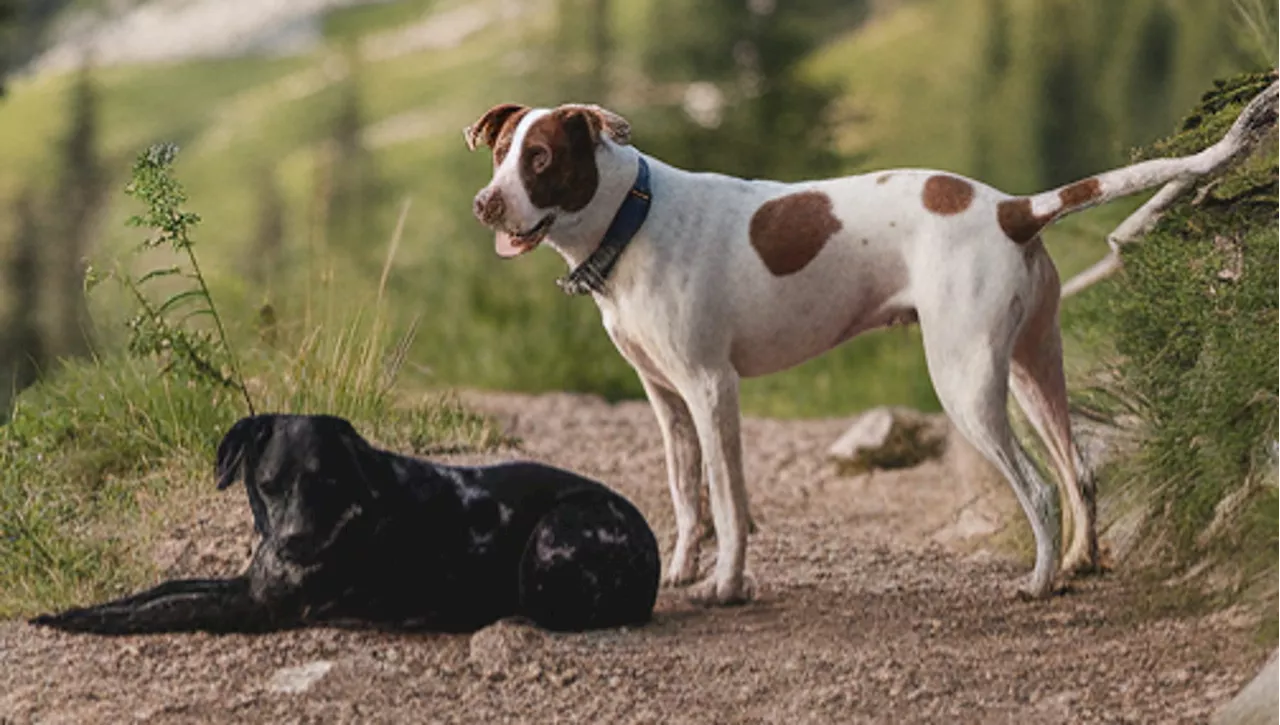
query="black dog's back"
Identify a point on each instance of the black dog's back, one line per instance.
(526, 539)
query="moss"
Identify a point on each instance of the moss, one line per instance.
(1211, 117)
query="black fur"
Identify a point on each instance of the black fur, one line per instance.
(354, 534)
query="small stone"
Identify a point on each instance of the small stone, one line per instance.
(503, 646)
(887, 438)
(1256, 702)
(293, 680)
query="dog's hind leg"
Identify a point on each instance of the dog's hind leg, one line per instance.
(1040, 387)
(968, 359)
(213, 605)
(590, 562)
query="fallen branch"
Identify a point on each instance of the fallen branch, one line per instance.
(1256, 119)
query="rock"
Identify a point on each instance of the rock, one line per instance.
(1256, 704)
(970, 524)
(888, 438)
(293, 680)
(503, 647)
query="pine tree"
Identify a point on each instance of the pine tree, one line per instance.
(354, 189)
(77, 202)
(764, 117)
(580, 55)
(23, 352)
(267, 249)
(8, 33)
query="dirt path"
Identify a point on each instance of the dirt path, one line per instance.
(882, 601)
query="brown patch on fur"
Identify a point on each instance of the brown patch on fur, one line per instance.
(602, 122)
(1080, 193)
(789, 231)
(558, 159)
(883, 178)
(1022, 225)
(506, 135)
(947, 195)
(1018, 221)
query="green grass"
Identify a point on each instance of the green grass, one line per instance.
(103, 455)
(107, 455)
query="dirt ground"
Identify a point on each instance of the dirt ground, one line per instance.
(882, 599)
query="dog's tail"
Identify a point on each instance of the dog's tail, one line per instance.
(1023, 217)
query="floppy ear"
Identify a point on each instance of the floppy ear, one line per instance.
(485, 130)
(229, 466)
(363, 457)
(601, 121)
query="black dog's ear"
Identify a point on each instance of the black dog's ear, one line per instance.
(362, 455)
(246, 433)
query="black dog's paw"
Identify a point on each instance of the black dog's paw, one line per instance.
(72, 620)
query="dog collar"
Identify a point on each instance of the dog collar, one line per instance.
(591, 275)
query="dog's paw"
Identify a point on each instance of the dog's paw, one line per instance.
(714, 592)
(1083, 565)
(683, 570)
(676, 579)
(1028, 590)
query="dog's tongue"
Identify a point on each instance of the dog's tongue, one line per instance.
(507, 246)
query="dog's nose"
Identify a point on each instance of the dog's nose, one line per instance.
(489, 206)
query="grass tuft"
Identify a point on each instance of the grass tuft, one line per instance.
(103, 455)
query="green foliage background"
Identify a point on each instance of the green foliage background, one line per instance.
(301, 164)
(303, 161)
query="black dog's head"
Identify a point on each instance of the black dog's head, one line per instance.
(306, 475)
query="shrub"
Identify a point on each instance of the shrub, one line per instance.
(1193, 320)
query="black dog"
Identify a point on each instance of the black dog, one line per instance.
(351, 533)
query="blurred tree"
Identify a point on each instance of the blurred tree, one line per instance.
(1081, 83)
(8, 33)
(1071, 127)
(263, 262)
(580, 56)
(741, 105)
(993, 68)
(354, 189)
(76, 205)
(23, 352)
(23, 27)
(1153, 66)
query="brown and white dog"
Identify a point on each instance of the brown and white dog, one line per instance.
(729, 278)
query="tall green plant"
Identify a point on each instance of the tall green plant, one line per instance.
(164, 329)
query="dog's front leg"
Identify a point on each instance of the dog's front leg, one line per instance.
(713, 403)
(684, 477)
(184, 605)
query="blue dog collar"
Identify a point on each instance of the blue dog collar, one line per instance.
(591, 275)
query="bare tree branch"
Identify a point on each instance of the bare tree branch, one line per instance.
(1257, 119)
